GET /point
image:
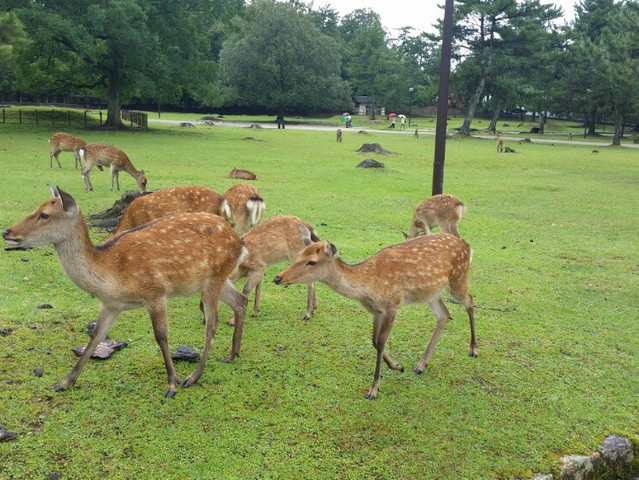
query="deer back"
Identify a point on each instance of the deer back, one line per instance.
(65, 142)
(241, 174)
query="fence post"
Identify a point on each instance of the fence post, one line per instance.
(20, 116)
(36, 116)
(4, 116)
(85, 119)
(52, 117)
(69, 116)
(100, 117)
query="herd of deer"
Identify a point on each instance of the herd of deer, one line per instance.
(179, 241)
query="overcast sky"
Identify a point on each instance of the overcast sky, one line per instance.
(419, 14)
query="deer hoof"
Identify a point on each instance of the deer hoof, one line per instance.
(473, 354)
(185, 384)
(418, 371)
(169, 394)
(370, 396)
(230, 324)
(306, 317)
(254, 314)
(401, 367)
(59, 388)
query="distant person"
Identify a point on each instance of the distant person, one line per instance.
(349, 121)
(393, 119)
(402, 123)
(280, 122)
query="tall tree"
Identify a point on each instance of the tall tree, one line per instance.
(121, 48)
(282, 61)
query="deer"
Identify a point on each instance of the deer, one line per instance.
(247, 206)
(65, 142)
(416, 133)
(240, 174)
(168, 201)
(416, 271)
(274, 240)
(177, 255)
(105, 155)
(339, 135)
(500, 145)
(441, 210)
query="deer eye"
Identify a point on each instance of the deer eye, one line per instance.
(43, 216)
(311, 263)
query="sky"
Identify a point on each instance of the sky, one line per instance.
(419, 14)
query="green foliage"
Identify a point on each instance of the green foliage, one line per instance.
(553, 230)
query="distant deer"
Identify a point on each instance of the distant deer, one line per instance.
(240, 174)
(106, 155)
(443, 210)
(65, 142)
(247, 206)
(274, 240)
(169, 201)
(500, 145)
(419, 270)
(175, 256)
(339, 135)
(416, 134)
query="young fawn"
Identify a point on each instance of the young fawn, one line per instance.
(65, 142)
(419, 270)
(274, 240)
(169, 201)
(107, 156)
(247, 206)
(177, 255)
(443, 210)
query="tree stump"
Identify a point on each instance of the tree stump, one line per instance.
(373, 148)
(108, 219)
(370, 163)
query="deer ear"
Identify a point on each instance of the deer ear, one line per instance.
(68, 203)
(306, 235)
(53, 190)
(330, 250)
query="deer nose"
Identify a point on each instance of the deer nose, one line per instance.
(6, 233)
(277, 280)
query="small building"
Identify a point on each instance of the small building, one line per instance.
(363, 105)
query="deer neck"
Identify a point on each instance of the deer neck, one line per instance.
(347, 280)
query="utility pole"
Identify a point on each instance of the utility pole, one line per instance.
(442, 105)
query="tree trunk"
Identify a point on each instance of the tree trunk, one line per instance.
(619, 121)
(472, 107)
(114, 104)
(493, 121)
(542, 122)
(592, 125)
(373, 109)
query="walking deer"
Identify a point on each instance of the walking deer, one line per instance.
(107, 156)
(274, 240)
(443, 210)
(240, 174)
(247, 206)
(65, 142)
(174, 256)
(419, 270)
(169, 201)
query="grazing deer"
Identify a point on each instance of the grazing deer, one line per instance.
(443, 210)
(339, 135)
(65, 142)
(274, 240)
(247, 206)
(240, 174)
(173, 256)
(169, 201)
(416, 271)
(106, 155)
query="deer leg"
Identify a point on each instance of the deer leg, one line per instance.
(470, 309)
(237, 302)
(85, 176)
(114, 173)
(311, 300)
(105, 321)
(258, 294)
(453, 229)
(77, 159)
(442, 315)
(210, 294)
(382, 325)
(159, 320)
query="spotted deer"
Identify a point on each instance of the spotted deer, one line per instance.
(444, 211)
(177, 255)
(247, 206)
(65, 142)
(419, 270)
(274, 240)
(107, 156)
(169, 201)
(241, 174)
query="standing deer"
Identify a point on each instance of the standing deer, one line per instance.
(174, 256)
(107, 156)
(65, 142)
(247, 206)
(274, 240)
(339, 135)
(416, 271)
(443, 210)
(169, 201)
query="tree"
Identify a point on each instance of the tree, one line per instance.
(121, 48)
(11, 34)
(282, 61)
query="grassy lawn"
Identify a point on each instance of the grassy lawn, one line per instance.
(554, 275)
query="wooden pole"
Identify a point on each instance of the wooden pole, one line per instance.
(442, 105)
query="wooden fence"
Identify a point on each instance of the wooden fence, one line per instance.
(49, 117)
(140, 119)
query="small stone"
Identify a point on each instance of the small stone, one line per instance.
(5, 332)
(38, 372)
(53, 476)
(617, 450)
(186, 353)
(103, 350)
(32, 326)
(44, 306)
(91, 326)
(24, 259)
(575, 467)
(7, 436)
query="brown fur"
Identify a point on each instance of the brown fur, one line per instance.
(274, 240)
(247, 206)
(416, 134)
(107, 156)
(500, 145)
(339, 135)
(443, 210)
(169, 201)
(174, 256)
(240, 174)
(65, 142)
(416, 271)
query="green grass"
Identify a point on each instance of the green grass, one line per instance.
(553, 230)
